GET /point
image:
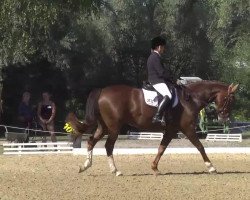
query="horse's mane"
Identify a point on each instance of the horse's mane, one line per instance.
(188, 90)
(206, 82)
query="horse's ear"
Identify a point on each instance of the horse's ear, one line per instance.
(234, 88)
(230, 88)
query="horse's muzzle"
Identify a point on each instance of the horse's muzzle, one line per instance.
(223, 119)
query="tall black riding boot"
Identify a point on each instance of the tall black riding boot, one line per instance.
(158, 116)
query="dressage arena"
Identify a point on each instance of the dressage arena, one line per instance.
(184, 176)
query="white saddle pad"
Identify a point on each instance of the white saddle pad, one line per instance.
(151, 98)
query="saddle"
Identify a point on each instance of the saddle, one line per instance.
(148, 86)
(152, 97)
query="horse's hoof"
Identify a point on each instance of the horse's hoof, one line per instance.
(118, 173)
(81, 169)
(157, 173)
(87, 165)
(212, 171)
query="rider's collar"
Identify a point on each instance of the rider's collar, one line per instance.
(157, 52)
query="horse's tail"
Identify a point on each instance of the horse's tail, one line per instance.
(92, 112)
(92, 108)
(77, 126)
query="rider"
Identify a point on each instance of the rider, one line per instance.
(157, 76)
(25, 112)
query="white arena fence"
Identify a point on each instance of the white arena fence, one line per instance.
(224, 137)
(17, 144)
(229, 137)
(66, 147)
(145, 135)
(37, 148)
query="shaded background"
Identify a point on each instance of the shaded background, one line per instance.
(71, 47)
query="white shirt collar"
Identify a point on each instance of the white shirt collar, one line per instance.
(157, 52)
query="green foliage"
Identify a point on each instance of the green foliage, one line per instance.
(37, 29)
(229, 31)
(98, 42)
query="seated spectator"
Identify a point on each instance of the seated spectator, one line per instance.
(46, 112)
(25, 112)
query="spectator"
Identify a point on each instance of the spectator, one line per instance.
(25, 112)
(46, 112)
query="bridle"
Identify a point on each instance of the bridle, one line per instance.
(227, 102)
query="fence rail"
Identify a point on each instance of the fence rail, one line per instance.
(224, 137)
(145, 135)
(37, 148)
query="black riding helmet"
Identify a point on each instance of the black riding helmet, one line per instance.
(155, 42)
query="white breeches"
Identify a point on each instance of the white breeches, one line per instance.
(163, 89)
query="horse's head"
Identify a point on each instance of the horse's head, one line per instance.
(224, 101)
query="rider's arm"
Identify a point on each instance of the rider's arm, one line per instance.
(156, 62)
(39, 112)
(53, 112)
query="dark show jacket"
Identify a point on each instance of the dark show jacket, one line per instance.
(156, 72)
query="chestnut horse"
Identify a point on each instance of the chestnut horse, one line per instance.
(110, 108)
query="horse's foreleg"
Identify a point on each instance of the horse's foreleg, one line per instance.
(109, 145)
(193, 137)
(164, 143)
(99, 133)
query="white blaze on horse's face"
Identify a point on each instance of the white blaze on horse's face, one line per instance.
(224, 101)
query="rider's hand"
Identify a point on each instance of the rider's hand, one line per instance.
(178, 82)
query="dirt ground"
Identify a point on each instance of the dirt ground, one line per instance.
(184, 177)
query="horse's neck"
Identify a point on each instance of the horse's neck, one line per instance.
(205, 93)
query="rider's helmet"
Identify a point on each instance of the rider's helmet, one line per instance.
(157, 41)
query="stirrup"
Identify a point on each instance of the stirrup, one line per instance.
(157, 119)
(162, 120)
(163, 123)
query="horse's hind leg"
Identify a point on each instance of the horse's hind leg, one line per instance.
(109, 145)
(193, 137)
(99, 133)
(167, 137)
